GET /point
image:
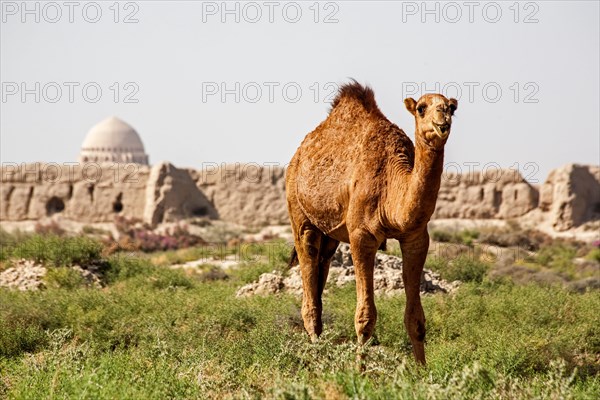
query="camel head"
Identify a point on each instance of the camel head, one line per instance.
(433, 118)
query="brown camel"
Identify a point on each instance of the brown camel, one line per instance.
(358, 178)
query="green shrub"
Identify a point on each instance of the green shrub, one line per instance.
(526, 239)
(442, 236)
(594, 255)
(247, 273)
(468, 269)
(140, 338)
(463, 268)
(122, 266)
(53, 250)
(64, 277)
(134, 340)
(465, 236)
(17, 338)
(436, 264)
(558, 257)
(9, 240)
(164, 278)
(212, 273)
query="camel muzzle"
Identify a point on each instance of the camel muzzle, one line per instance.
(442, 130)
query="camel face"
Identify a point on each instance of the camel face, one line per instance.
(433, 117)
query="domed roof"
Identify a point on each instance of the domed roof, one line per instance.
(113, 133)
(113, 140)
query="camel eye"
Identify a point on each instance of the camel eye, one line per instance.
(421, 109)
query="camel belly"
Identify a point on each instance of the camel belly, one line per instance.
(323, 179)
(323, 199)
(324, 211)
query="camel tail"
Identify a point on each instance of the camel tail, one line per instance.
(293, 258)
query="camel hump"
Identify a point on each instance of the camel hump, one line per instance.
(354, 91)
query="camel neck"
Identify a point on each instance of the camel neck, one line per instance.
(427, 171)
(421, 185)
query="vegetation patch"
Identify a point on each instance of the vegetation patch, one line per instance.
(155, 332)
(466, 236)
(53, 250)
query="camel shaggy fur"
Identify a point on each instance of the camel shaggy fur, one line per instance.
(358, 178)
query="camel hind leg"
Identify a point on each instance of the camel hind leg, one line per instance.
(313, 275)
(308, 245)
(327, 250)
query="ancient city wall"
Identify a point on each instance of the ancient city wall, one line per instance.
(571, 195)
(500, 194)
(248, 194)
(254, 195)
(95, 192)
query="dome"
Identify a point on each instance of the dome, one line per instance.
(113, 140)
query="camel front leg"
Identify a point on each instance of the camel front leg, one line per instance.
(363, 247)
(414, 253)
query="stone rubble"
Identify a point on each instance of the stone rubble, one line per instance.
(90, 275)
(228, 262)
(387, 277)
(27, 275)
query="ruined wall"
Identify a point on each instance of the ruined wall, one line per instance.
(500, 194)
(172, 194)
(571, 195)
(90, 193)
(99, 192)
(254, 195)
(248, 194)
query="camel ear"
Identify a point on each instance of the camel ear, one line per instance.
(411, 105)
(453, 104)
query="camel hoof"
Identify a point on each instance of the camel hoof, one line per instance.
(361, 359)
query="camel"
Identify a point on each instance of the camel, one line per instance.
(358, 178)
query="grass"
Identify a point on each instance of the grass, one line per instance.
(156, 333)
(465, 236)
(465, 268)
(469, 255)
(559, 258)
(594, 255)
(53, 250)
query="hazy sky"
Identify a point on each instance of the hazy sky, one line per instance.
(215, 82)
